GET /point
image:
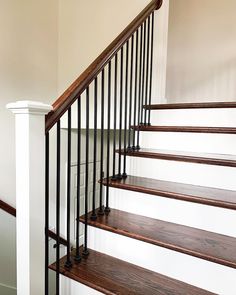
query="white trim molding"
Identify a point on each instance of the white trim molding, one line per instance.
(30, 182)
(160, 53)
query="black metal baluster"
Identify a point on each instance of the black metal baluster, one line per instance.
(85, 250)
(119, 176)
(143, 68)
(94, 215)
(115, 113)
(77, 256)
(107, 209)
(131, 93)
(58, 184)
(46, 213)
(101, 209)
(151, 68)
(140, 85)
(68, 262)
(136, 114)
(124, 175)
(147, 71)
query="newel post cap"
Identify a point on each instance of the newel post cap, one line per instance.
(29, 107)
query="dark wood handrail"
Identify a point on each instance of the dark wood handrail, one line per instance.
(7, 208)
(62, 104)
(12, 211)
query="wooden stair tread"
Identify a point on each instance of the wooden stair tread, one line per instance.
(199, 243)
(198, 105)
(98, 272)
(183, 156)
(190, 129)
(186, 192)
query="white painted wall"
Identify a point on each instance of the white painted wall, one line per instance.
(7, 254)
(201, 51)
(28, 70)
(86, 28)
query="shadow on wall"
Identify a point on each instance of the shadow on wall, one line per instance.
(216, 83)
(7, 254)
(201, 51)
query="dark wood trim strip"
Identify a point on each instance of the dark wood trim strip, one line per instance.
(53, 236)
(7, 208)
(190, 129)
(62, 104)
(200, 158)
(199, 243)
(199, 105)
(113, 276)
(12, 211)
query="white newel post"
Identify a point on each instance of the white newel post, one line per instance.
(30, 179)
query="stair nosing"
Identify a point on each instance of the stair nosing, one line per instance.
(184, 105)
(100, 282)
(155, 154)
(171, 247)
(174, 195)
(185, 129)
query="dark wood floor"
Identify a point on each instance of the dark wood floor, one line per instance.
(113, 276)
(182, 156)
(190, 129)
(180, 191)
(199, 243)
(196, 105)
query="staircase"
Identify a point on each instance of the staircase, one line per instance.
(143, 193)
(157, 225)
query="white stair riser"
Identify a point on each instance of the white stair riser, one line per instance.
(191, 173)
(195, 117)
(192, 142)
(180, 266)
(222, 221)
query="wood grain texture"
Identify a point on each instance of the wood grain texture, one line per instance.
(112, 276)
(62, 104)
(190, 129)
(195, 242)
(185, 192)
(199, 105)
(180, 156)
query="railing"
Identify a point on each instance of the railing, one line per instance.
(12, 211)
(116, 85)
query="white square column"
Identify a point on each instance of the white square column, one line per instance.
(30, 195)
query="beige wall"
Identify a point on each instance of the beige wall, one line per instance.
(86, 28)
(201, 51)
(28, 70)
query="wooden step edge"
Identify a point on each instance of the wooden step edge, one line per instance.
(180, 158)
(84, 281)
(136, 236)
(186, 129)
(112, 276)
(170, 195)
(199, 105)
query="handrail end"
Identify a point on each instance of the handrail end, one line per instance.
(159, 4)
